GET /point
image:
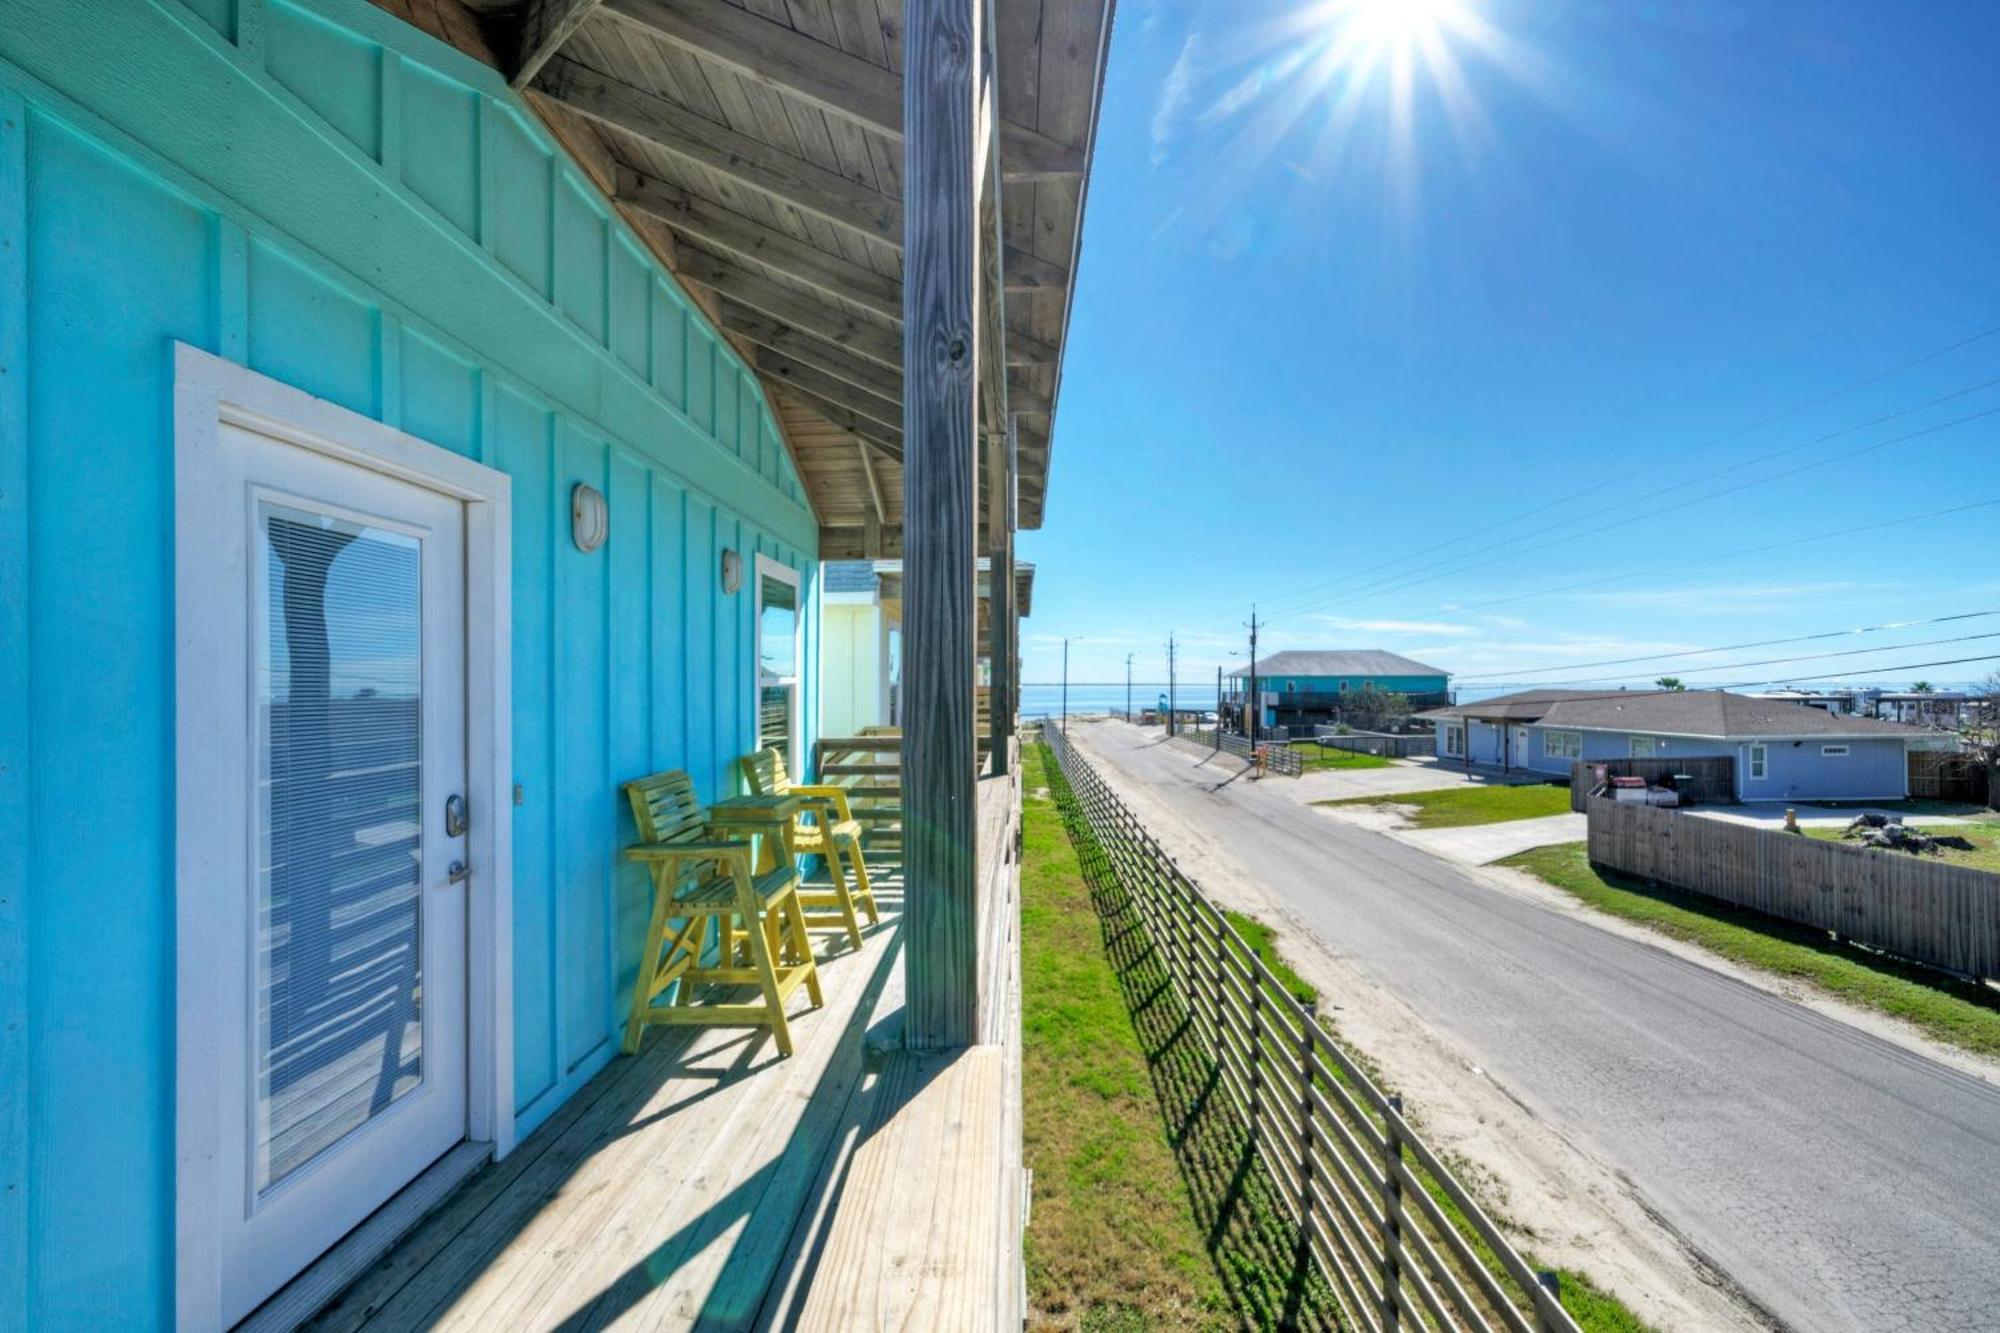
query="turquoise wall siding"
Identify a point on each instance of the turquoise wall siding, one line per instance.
(337, 201)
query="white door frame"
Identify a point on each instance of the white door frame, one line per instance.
(783, 573)
(209, 393)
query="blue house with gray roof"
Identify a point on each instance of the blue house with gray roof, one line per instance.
(1300, 686)
(1783, 751)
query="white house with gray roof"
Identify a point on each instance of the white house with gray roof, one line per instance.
(1784, 751)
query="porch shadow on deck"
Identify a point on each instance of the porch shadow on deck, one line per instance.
(697, 1184)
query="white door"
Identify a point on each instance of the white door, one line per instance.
(339, 992)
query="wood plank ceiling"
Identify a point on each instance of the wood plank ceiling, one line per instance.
(755, 145)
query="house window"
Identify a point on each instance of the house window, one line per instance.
(778, 658)
(1641, 747)
(1562, 744)
(1760, 762)
(1454, 741)
(1834, 751)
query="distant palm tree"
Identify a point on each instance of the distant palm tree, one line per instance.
(1923, 687)
(1670, 683)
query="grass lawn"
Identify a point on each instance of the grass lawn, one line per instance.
(1984, 835)
(1113, 1242)
(1315, 756)
(1454, 807)
(1959, 1012)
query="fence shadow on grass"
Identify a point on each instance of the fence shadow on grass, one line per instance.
(1260, 1255)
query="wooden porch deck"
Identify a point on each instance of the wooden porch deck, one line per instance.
(707, 1184)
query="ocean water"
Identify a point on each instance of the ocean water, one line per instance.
(1037, 700)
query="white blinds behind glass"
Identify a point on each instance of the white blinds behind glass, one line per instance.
(339, 672)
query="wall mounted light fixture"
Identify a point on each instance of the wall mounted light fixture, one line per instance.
(589, 518)
(732, 571)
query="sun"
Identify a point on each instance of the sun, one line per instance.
(1390, 25)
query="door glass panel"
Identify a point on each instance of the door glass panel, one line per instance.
(777, 661)
(339, 875)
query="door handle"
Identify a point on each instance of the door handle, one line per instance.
(458, 873)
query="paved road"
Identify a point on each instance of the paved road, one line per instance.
(1839, 1180)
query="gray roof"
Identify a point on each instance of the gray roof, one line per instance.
(1343, 662)
(1715, 713)
(1520, 706)
(848, 576)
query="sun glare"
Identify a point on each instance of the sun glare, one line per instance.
(1391, 23)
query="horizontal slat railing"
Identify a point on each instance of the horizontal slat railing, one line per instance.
(1279, 756)
(1399, 1240)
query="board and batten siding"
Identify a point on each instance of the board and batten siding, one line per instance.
(338, 201)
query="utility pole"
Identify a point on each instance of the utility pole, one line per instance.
(1128, 687)
(1253, 712)
(1217, 734)
(1171, 704)
(1065, 692)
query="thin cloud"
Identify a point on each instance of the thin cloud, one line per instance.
(1393, 626)
(1174, 90)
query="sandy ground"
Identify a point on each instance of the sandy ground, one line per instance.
(1570, 1208)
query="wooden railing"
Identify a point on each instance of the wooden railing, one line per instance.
(870, 766)
(1917, 907)
(1400, 1242)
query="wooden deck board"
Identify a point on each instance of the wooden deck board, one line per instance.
(707, 1184)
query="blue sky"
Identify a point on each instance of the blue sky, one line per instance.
(1353, 302)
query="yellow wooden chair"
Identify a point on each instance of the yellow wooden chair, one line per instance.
(700, 877)
(832, 832)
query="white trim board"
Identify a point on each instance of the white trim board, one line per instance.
(210, 392)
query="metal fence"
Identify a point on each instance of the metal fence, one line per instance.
(1390, 745)
(1912, 906)
(1279, 757)
(1398, 1239)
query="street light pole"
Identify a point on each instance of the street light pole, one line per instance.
(1171, 700)
(1128, 687)
(1065, 689)
(1253, 712)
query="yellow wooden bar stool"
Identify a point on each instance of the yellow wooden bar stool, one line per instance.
(699, 877)
(834, 831)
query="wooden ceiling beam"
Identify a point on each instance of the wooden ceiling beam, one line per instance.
(541, 30)
(746, 160)
(822, 320)
(833, 358)
(692, 216)
(886, 413)
(770, 53)
(826, 320)
(841, 417)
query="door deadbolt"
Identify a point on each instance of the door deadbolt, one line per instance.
(454, 816)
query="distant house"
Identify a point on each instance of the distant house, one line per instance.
(1783, 750)
(1301, 686)
(862, 609)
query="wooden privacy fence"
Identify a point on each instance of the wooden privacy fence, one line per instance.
(1397, 1238)
(1700, 779)
(1279, 757)
(1948, 775)
(1913, 906)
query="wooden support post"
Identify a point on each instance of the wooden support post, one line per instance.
(1000, 606)
(941, 48)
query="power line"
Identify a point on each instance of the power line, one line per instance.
(1730, 555)
(1773, 419)
(1807, 657)
(1406, 579)
(1738, 647)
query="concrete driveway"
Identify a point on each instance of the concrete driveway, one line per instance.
(1483, 844)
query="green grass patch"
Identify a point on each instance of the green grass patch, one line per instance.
(1313, 757)
(1457, 807)
(1962, 1013)
(1984, 836)
(1263, 942)
(1113, 1241)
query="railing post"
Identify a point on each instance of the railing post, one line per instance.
(1256, 1050)
(1306, 1185)
(1392, 1217)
